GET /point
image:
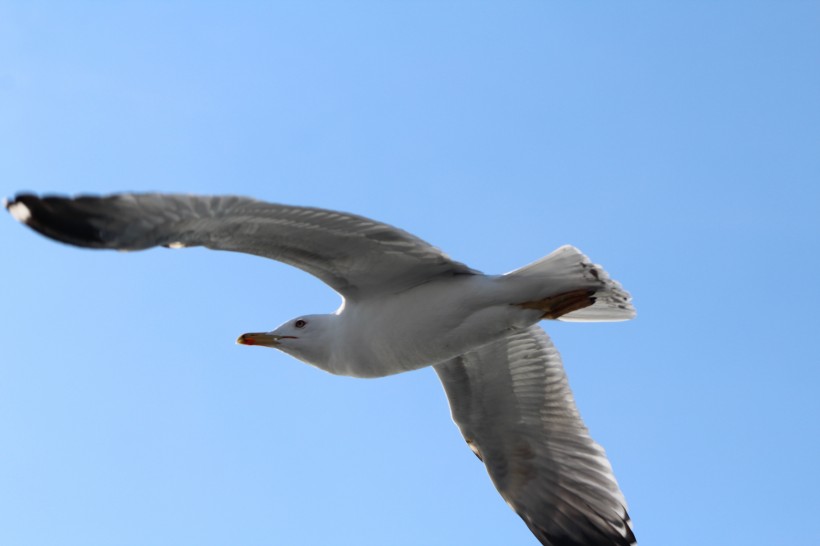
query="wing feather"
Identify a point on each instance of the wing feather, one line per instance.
(512, 403)
(353, 254)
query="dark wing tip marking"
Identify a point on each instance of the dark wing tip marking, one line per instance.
(57, 218)
(593, 536)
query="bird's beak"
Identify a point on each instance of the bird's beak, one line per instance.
(261, 338)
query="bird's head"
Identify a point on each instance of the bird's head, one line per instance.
(307, 338)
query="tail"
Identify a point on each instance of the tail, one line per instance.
(570, 271)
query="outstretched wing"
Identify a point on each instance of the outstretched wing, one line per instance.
(353, 254)
(514, 407)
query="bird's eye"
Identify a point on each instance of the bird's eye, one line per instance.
(300, 323)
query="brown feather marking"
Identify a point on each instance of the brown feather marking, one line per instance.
(561, 304)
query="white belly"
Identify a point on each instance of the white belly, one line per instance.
(426, 325)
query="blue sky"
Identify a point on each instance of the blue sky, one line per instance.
(676, 145)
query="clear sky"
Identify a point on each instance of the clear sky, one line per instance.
(678, 145)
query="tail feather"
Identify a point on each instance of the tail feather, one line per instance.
(571, 270)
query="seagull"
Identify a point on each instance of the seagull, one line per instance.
(407, 305)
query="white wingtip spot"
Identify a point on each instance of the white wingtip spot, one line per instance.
(20, 212)
(176, 244)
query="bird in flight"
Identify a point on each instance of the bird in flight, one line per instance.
(407, 305)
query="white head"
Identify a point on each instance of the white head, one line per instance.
(308, 338)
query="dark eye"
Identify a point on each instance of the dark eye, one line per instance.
(300, 323)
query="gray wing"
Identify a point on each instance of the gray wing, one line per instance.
(514, 407)
(352, 254)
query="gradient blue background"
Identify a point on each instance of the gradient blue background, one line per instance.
(677, 145)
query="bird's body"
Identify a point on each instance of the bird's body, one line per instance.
(378, 336)
(406, 305)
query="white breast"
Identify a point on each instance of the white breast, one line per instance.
(423, 326)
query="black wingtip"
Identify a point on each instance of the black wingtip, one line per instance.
(584, 531)
(58, 218)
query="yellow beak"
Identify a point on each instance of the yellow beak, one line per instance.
(265, 340)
